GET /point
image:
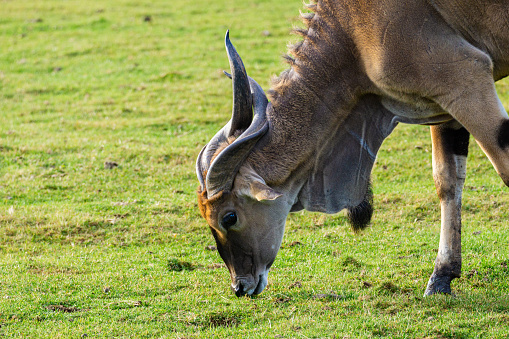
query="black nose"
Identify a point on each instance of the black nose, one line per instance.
(238, 289)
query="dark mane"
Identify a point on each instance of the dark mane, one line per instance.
(313, 60)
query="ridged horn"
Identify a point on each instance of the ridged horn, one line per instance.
(242, 101)
(207, 152)
(221, 170)
(225, 166)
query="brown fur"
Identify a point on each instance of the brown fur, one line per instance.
(342, 58)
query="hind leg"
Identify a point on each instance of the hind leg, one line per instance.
(450, 148)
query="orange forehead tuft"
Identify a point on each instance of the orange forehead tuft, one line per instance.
(202, 202)
(208, 207)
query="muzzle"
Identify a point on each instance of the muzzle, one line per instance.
(249, 286)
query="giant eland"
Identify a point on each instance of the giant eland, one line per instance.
(361, 68)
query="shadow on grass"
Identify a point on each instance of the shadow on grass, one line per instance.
(218, 319)
(176, 265)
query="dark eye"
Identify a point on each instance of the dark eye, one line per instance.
(229, 219)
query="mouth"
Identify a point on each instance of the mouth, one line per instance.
(262, 283)
(240, 290)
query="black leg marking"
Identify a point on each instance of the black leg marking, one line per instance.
(503, 134)
(456, 141)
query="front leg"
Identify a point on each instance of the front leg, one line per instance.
(450, 148)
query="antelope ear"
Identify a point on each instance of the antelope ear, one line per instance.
(249, 183)
(260, 191)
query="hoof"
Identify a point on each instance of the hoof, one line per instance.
(438, 285)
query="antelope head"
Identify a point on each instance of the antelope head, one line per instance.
(245, 215)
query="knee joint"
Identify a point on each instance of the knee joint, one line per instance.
(446, 189)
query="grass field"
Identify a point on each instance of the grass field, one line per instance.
(104, 106)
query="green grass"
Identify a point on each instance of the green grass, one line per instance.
(88, 250)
